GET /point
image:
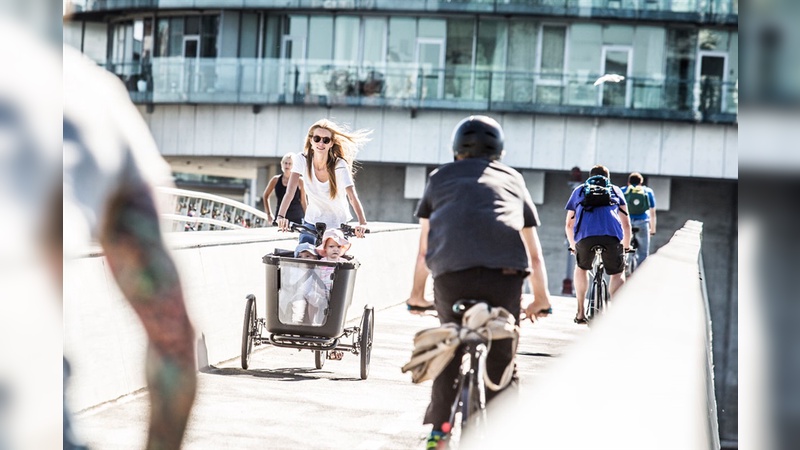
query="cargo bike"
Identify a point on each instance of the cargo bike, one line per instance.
(318, 325)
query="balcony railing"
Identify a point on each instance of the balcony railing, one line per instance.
(703, 7)
(266, 81)
(185, 210)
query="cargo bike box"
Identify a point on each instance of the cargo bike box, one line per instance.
(307, 297)
(306, 308)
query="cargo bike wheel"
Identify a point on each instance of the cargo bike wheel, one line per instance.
(365, 339)
(249, 330)
(319, 358)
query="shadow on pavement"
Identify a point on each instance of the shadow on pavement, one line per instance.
(541, 355)
(281, 374)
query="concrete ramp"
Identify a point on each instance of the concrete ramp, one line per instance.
(105, 342)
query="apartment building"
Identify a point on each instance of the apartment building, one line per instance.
(228, 87)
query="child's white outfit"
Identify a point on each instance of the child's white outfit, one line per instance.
(319, 293)
(302, 292)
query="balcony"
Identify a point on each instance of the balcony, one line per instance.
(702, 11)
(261, 82)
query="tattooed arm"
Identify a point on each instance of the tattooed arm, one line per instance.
(148, 278)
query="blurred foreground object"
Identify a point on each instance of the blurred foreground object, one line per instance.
(111, 166)
(30, 177)
(769, 167)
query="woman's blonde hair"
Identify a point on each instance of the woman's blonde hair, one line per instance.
(286, 157)
(346, 145)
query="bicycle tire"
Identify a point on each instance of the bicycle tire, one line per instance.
(632, 265)
(595, 306)
(367, 334)
(248, 330)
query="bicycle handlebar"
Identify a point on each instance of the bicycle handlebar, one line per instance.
(347, 230)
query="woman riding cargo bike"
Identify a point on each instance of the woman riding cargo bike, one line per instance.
(308, 299)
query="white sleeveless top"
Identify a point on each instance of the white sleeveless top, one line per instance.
(321, 207)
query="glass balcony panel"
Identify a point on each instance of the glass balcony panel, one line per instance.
(401, 81)
(275, 81)
(519, 87)
(647, 94)
(683, 5)
(549, 95)
(731, 101)
(458, 83)
(580, 90)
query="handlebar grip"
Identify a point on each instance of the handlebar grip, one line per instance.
(350, 230)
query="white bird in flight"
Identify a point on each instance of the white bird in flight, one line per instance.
(609, 77)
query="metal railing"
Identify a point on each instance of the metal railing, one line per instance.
(275, 81)
(714, 7)
(198, 211)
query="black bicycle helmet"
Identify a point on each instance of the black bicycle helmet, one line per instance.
(478, 137)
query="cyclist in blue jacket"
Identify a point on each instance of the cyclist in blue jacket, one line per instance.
(607, 225)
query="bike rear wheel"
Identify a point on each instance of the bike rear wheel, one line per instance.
(365, 342)
(633, 264)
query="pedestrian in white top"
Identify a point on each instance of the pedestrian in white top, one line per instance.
(326, 167)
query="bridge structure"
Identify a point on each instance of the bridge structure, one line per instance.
(643, 368)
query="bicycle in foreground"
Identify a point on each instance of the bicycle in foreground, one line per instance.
(468, 411)
(285, 274)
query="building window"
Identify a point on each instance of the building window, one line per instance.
(521, 64)
(490, 59)
(680, 68)
(552, 54)
(459, 58)
(173, 31)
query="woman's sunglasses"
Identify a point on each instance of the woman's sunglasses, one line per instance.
(325, 140)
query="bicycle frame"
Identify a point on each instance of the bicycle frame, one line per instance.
(471, 385)
(470, 401)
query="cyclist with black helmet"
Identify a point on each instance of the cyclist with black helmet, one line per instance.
(479, 239)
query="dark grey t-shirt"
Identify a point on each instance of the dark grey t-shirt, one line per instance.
(476, 209)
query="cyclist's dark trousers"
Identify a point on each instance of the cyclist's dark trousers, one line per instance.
(498, 289)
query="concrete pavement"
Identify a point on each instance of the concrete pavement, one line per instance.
(283, 402)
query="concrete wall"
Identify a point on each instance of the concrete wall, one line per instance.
(533, 141)
(713, 202)
(642, 380)
(105, 342)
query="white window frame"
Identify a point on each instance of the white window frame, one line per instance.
(537, 79)
(284, 62)
(629, 71)
(698, 69)
(442, 50)
(193, 67)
